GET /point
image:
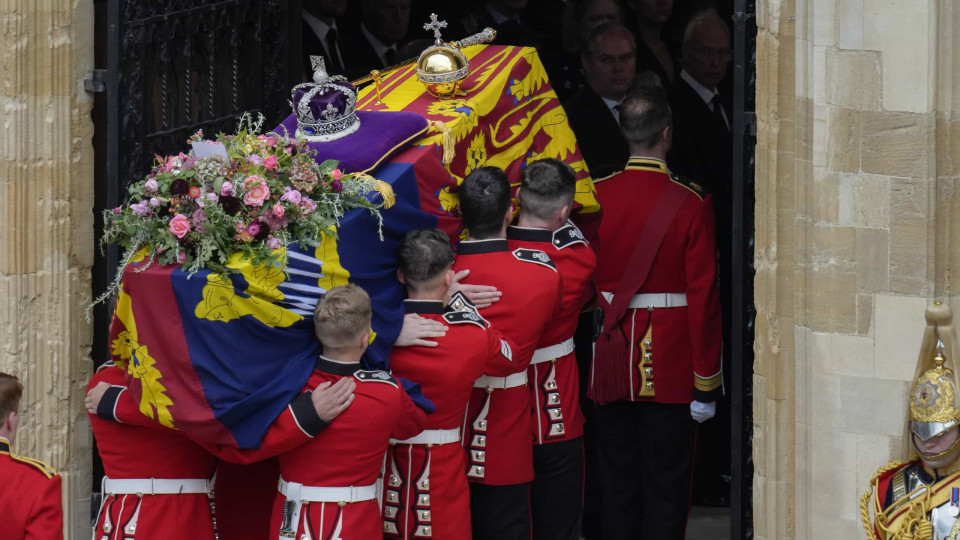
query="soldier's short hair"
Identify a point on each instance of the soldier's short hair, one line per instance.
(424, 255)
(546, 186)
(342, 315)
(484, 200)
(11, 390)
(643, 115)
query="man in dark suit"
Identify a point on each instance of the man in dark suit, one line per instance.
(507, 17)
(609, 66)
(703, 152)
(321, 35)
(374, 44)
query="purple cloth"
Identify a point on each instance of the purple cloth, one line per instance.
(318, 103)
(381, 135)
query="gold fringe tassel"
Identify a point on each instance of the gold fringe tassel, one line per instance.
(449, 152)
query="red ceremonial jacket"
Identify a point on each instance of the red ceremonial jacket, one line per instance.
(239, 489)
(555, 385)
(131, 451)
(426, 489)
(497, 426)
(30, 505)
(676, 353)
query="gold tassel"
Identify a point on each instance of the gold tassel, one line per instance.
(449, 152)
(385, 191)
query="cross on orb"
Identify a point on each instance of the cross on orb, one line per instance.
(435, 25)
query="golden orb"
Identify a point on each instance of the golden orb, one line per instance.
(441, 68)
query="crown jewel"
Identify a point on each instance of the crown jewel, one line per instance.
(441, 67)
(325, 108)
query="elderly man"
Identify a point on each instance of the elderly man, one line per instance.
(609, 65)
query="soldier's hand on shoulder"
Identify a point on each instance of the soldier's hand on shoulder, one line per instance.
(94, 395)
(481, 296)
(418, 330)
(332, 399)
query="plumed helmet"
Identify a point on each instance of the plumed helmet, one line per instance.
(933, 402)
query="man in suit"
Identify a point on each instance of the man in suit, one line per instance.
(507, 17)
(321, 35)
(609, 65)
(375, 43)
(703, 152)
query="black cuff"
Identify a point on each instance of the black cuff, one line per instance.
(305, 415)
(107, 408)
(708, 396)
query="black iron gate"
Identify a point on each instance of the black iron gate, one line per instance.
(167, 68)
(744, 312)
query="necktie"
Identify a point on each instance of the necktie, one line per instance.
(718, 112)
(391, 56)
(333, 59)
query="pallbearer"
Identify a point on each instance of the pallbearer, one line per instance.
(497, 432)
(426, 493)
(30, 506)
(556, 498)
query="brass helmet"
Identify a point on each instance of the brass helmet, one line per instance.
(441, 67)
(933, 402)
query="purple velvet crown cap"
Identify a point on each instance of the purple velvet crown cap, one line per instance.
(319, 102)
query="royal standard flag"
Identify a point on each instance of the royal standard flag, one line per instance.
(220, 358)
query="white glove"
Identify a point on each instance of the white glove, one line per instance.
(702, 412)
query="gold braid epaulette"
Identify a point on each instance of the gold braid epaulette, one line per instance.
(865, 499)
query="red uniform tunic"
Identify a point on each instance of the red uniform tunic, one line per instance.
(427, 481)
(676, 352)
(143, 452)
(30, 504)
(349, 452)
(555, 384)
(497, 426)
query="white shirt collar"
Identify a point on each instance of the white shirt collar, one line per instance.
(612, 105)
(319, 27)
(706, 94)
(379, 47)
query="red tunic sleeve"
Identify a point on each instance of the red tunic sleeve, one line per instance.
(703, 304)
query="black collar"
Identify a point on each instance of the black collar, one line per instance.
(475, 247)
(529, 234)
(336, 368)
(423, 306)
(4, 446)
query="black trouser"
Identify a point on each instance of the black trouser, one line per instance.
(646, 456)
(500, 512)
(556, 494)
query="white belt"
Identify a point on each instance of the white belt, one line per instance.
(653, 300)
(156, 486)
(501, 383)
(352, 494)
(552, 352)
(432, 436)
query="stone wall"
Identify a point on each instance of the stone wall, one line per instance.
(46, 233)
(856, 198)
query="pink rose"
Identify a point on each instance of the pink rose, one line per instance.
(179, 225)
(336, 174)
(117, 210)
(150, 186)
(269, 139)
(253, 229)
(226, 189)
(273, 243)
(291, 195)
(308, 205)
(257, 191)
(154, 201)
(141, 208)
(278, 210)
(271, 163)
